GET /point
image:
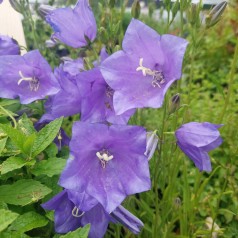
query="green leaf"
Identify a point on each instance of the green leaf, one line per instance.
(6, 218)
(26, 125)
(28, 145)
(7, 102)
(13, 234)
(2, 144)
(50, 167)
(46, 135)
(17, 136)
(79, 233)
(23, 192)
(28, 221)
(11, 164)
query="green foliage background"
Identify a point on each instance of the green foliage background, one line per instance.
(182, 197)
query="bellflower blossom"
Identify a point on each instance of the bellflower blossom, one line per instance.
(8, 46)
(28, 77)
(97, 102)
(74, 210)
(196, 140)
(108, 162)
(67, 101)
(72, 25)
(141, 73)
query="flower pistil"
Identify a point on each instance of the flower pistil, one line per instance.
(158, 76)
(33, 81)
(104, 156)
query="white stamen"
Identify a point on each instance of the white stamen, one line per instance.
(75, 212)
(158, 77)
(104, 157)
(33, 82)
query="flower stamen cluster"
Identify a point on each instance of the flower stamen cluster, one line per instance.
(158, 76)
(33, 82)
(104, 156)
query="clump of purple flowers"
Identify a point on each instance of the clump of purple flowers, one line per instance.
(109, 160)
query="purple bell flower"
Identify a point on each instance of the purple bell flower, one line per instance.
(72, 25)
(108, 162)
(8, 46)
(196, 140)
(67, 101)
(28, 77)
(97, 102)
(141, 73)
(74, 210)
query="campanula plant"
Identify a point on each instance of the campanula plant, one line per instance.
(96, 124)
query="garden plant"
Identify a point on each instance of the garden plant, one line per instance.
(120, 120)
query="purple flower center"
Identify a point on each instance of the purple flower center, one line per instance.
(109, 91)
(157, 75)
(75, 212)
(104, 156)
(34, 82)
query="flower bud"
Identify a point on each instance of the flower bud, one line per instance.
(151, 144)
(50, 43)
(135, 9)
(16, 5)
(215, 14)
(44, 10)
(174, 103)
(112, 3)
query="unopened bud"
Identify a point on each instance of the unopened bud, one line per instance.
(177, 202)
(44, 10)
(16, 5)
(50, 43)
(215, 14)
(174, 103)
(135, 9)
(112, 3)
(194, 14)
(151, 144)
(212, 226)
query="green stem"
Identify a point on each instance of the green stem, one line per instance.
(156, 173)
(230, 84)
(13, 119)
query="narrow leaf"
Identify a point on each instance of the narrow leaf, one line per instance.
(46, 135)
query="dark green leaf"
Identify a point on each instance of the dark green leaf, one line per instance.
(13, 234)
(23, 192)
(26, 125)
(27, 222)
(46, 135)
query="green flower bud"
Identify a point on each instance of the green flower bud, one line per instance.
(215, 14)
(174, 103)
(135, 9)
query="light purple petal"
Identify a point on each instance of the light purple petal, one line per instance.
(127, 173)
(71, 25)
(196, 139)
(8, 46)
(31, 65)
(142, 72)
(127, 219)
